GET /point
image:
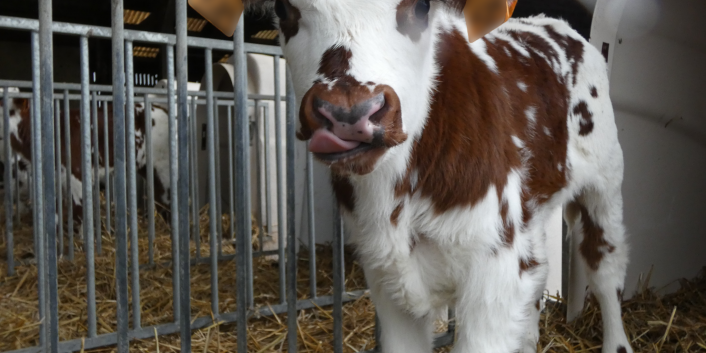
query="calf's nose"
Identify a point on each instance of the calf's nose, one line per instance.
(347, 126)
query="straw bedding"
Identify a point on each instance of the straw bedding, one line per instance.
(671, 323)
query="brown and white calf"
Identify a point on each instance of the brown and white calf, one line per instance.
(448, 158)
(20, 141)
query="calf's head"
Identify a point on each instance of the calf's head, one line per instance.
(363, 72)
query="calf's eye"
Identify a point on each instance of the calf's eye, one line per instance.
(281, 9)
(421, 10)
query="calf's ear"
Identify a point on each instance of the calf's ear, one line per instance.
(224, 14)
(483, 16)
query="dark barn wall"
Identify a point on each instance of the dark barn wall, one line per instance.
(572, 11)
(16, 62)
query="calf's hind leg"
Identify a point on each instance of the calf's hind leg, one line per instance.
(595, 220)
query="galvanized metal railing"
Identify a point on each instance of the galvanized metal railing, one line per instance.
(47, 187)
(47, 194)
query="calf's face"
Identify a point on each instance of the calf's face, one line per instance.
(363, 74)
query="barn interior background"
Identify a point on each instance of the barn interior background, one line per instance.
(262, 192)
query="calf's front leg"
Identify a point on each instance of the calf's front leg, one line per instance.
(400, 331)
(494, 305)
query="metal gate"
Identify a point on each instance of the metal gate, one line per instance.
(48, 100)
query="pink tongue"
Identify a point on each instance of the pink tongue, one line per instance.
(324, 141)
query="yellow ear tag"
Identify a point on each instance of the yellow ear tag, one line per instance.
(224, 14)
(483, 16)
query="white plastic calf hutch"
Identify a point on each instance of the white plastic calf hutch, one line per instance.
(656, 52)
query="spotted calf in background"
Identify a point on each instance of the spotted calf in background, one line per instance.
(20, 142)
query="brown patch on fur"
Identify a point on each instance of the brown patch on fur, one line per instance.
(549, 96)
(534, 43)
(290, 26)
(344, 191)
(622, 349)
(335, 62)
(404, 186)
(395, 216)
(594, 92)
(407, 22)
(593, 239)
(527, 265)
(508, 229)
(585, 118)
(537, 304)
(466, 145)
(573, 49)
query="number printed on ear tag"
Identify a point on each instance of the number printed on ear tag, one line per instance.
(483, 16)
(224, 14)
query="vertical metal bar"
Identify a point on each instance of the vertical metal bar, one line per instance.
(87, 190)
(565, 257)
(231, 214)
(196, 230)
(68, 171)
(259, 175)
(38, 182)
(452, 320)
(31, 186)
(183, 187)
(96, 173)
(248, 234)
(47, 97)
(210, 138)
(268, 173)
(173, 169)
(281, 197)
(242, 166)
(30, 178)
(59, 174)
(150, 178)
(312, 225)
(291, 237)
(18, 211)
(378, 333)
(338, 284)
(235, 171)
(16, 187)
(132, 184)
(119, 165)
(277, 122)
(106, 165)
(219, 187)
(8, 183)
